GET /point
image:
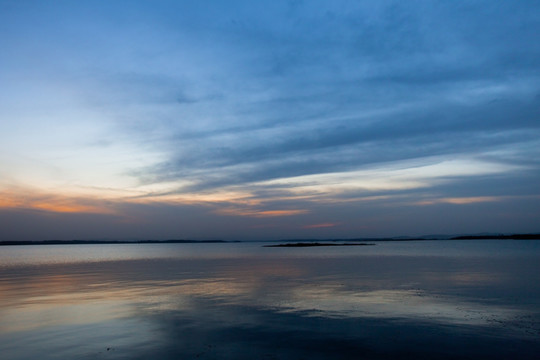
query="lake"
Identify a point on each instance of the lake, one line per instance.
(476, 299)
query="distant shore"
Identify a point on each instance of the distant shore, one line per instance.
(309, 244)
(499, 237)
(105, 242)
(288, 242)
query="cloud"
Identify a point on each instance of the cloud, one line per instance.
(260, 213)
(459, 201)
(30, 199)
(261, 110)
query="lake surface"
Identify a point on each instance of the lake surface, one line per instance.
(394, 300)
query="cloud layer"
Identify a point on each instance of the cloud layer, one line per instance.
(292, 113)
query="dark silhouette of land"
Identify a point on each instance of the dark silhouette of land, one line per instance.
(499, 237)
(94, 242)
(308, 244)
(298, 242)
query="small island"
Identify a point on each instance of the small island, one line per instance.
(308, 244)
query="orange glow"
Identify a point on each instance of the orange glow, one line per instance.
(53, 203)
(239, 203)
(69, 208)
(260, 214)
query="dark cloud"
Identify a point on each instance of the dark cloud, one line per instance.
(228, 95)
(349, 144)
(440, 76)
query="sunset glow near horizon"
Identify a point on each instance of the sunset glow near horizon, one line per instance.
(268, 120)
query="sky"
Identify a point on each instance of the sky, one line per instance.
(257, 120)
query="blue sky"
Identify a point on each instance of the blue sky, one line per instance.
(265, 120)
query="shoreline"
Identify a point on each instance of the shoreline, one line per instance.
(308, 244)
(298, 241)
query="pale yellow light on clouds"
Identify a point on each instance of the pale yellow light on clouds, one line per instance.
(396, 176)
(260, 213)
(91, 194)
(460, 200)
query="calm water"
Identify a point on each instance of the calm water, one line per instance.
(418, 299)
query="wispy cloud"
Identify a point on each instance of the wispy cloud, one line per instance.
(269, 111)
(54, 203)
(260, 213)
(460, 201)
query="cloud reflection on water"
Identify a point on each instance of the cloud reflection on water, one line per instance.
(279, 306)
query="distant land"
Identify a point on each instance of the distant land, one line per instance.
(483, 236)
(499, 237)
(309, 244)
(94, 242)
